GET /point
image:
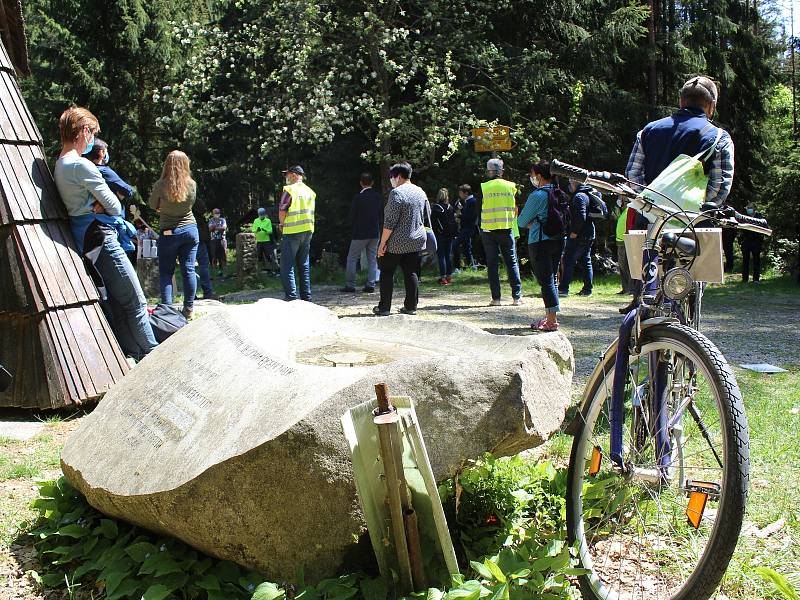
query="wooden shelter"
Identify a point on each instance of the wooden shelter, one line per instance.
(54, 337)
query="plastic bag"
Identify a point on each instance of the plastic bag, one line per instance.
(683, 181)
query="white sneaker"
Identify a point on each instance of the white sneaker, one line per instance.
(495, 302)
(456, 271)
(517, 302)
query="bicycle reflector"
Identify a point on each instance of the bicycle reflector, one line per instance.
(699, 493)
(677, 283)
(597, 460)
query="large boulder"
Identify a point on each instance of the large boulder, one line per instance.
(228, 437)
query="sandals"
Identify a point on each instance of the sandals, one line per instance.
(543, 325)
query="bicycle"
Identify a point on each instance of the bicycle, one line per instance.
(659, 466)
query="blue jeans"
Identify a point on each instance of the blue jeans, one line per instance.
(463, 242)
(545, 257)
(443, 247)
(577, 250)
(295, 248)
(354, 254)
(204, 268)
(181, 245)
(126, 302)
(496, 243)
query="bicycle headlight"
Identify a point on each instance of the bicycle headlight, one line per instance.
(677, 283)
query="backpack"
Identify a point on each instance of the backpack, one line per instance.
(597, 209)
(558, 220)
(166, 320)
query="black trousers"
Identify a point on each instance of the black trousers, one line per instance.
(408, 263)
(747, 252)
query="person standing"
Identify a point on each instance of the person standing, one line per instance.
(752, 244)
(622, 256)
(93, 209)
(402, 239)
(728, 238)
(581, 239)
(498, 215)
(203, 259)
(687, 131)
(544, 251)
(445, 228)
(265, 246)
(296, 214)
(467, 225)
(365, 223)
(218, 227)
(173, 197)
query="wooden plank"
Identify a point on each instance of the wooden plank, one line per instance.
(5, 61)
(27, 274)
(114, 359)
(15, 121)
(14, 293)
(71, 263)
(58, 394)
(86, 352)
(33, 133)
(42, 178)
(63, 358)
(11, 189)
(31, 195)
(60, 282)
(46, 282)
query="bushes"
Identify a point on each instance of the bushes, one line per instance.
(507, 519)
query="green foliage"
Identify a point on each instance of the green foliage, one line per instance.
(519, 552)
(779, 581)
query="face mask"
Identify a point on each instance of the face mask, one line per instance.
(619, 203)
(106, 158)
(89, 144)
(393, 181)
(534, 183)
(750, 211)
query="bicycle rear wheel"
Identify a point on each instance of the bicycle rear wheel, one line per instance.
(632, 522)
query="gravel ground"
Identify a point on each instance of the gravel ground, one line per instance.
(755, 327)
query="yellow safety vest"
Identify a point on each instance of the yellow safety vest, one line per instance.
(498, 208)
(300, 216)
(622, 222)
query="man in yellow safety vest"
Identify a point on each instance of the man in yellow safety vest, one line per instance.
(498, 216)
(296, 216)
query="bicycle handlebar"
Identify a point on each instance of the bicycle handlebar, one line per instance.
(616, 183)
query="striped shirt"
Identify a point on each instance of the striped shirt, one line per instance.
(720, 175)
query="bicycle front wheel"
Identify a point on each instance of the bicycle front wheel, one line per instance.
(663, 521)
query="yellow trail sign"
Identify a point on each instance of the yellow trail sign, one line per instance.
(492, 139)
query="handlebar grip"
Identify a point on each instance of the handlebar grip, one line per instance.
(747, 220)
(570, 171)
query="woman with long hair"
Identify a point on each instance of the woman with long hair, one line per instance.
(95, 217)
(173, 197)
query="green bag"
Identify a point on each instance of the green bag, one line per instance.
(684, 181)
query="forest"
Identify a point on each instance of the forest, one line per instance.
(247, 88)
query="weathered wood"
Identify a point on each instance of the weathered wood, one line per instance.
(54, 337)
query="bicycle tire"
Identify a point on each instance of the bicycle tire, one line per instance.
(705, 360)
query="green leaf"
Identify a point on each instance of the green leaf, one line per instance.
(156, 592)
(779, 581)
(469, 590)
(160, 563)
(267, 591)
(208, 582)
(73, 531)
(107, 528)
(434, 594)
(376, 589)
(501, 593)
(127, 589)
(481, 569)
(141, 551)
(496, 571)
(53, 580)
(113, 580)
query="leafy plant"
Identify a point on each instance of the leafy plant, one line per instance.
(779, 581)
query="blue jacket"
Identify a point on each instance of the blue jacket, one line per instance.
(579, 213)
(686, 131)
(469, 214)
(125, 230)
(115, 182)
(534, 213)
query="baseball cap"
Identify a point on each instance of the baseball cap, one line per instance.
(494, 164)
(297, 169)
